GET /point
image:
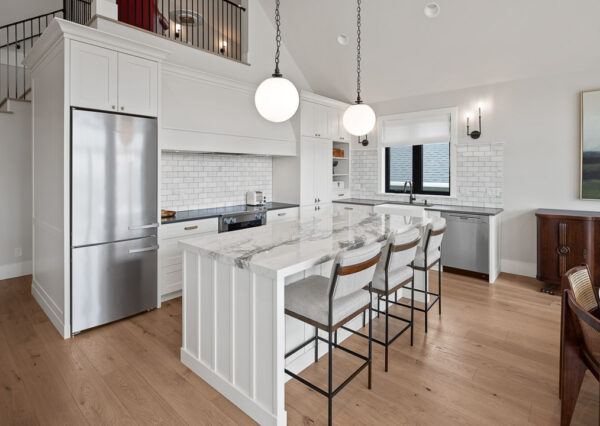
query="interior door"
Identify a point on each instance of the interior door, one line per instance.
(114, 177)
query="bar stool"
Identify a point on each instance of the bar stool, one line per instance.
(394, 271)
(329, 303)
(429, 253)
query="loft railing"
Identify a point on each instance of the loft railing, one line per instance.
(17, 38)
(214, 25)
(217, 26)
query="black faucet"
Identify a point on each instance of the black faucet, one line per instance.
(411, 198)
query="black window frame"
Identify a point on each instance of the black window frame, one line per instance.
(417, 173)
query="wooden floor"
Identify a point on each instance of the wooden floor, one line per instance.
(492, 358)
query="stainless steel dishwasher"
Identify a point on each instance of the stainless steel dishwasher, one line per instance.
(466, 242)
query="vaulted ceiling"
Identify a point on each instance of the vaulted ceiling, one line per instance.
(470, 43)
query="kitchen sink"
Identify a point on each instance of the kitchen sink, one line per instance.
(401, 210)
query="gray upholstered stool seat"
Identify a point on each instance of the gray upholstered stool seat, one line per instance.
(309, 298)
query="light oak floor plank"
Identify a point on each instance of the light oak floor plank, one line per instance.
(491, 358)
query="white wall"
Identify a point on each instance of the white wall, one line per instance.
(16, 10)
(538, 122)
(15, 189)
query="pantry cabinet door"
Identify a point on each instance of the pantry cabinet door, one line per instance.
(138, 85)
(307, 171)
(93, 77)
(323, 172)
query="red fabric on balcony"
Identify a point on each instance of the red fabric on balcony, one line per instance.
(140, 13)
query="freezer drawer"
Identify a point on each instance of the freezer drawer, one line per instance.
(112, 281)
(466, 242)
(114, 177)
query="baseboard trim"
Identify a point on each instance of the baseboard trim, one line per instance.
(173, 295)
(13, 270)
(517, 267)
(54, 313)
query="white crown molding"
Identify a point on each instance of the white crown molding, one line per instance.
(313, 97)
(60, 28)
(214, 79)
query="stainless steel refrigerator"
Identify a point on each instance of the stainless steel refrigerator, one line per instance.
(113, 217)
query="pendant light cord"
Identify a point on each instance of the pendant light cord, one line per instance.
(358, 23)
(277, 73)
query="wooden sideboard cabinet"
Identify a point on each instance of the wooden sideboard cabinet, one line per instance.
(566, 238)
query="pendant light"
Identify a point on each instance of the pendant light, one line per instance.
(276, 98)
(359, 119)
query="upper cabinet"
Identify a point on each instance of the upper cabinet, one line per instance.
(325, 122)
(138, 82)
(94, 77)
(314, 121)
(104, 79)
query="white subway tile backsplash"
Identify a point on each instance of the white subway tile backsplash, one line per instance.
(200, 180)
(479, 175)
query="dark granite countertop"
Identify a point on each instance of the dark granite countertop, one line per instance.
(187, 215)
(483, 211)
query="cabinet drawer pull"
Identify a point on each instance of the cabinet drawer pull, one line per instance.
(191, 228)
(341, 195)
(348, 208)
(281, 214)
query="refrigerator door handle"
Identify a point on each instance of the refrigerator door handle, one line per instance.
(135, 228)
(141, 250)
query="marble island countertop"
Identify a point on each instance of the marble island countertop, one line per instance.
(282, 249)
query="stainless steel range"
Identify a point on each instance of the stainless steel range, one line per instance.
(242, 220)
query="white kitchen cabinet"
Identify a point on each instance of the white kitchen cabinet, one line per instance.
(94, 77)
(282, 215)
(314, 120)
(104, 79)
(170, 261)
(340, 208)
(337, 131)
(315, 171)
(138, 82)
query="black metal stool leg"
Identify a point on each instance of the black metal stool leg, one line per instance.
(364, 322)
(386, 332)
(370, 333)
(378, 309)
(316, 344)
(330, 379)
(440, 286)
(335, 337)
(412, 309)
(426, 294)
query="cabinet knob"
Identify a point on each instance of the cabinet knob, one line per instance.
(114, 107)
(318, 200)
(315, 200)
(122, 108)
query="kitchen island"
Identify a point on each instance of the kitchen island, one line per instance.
(235, 332)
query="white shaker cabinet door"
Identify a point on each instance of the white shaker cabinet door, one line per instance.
(138, 83)
(323, 171)
(307, 171)
(93, 77)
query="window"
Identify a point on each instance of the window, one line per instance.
(426, 166)
(417, 148)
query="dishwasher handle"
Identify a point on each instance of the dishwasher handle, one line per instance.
(465, 218)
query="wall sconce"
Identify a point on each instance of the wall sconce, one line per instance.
(177, 31)
(365, 141)
(222, 47)
(475, 133)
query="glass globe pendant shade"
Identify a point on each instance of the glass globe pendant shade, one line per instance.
(359, 119)
(276, 99)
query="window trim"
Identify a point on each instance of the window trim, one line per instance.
(417, 167)
(382, 178)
